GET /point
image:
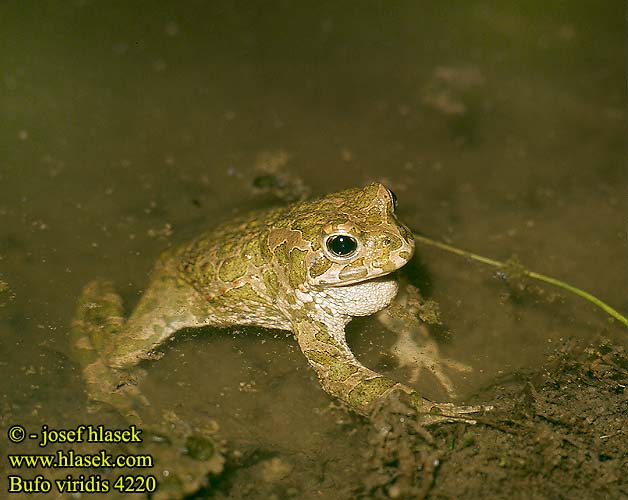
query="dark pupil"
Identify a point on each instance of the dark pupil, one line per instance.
(342, 245)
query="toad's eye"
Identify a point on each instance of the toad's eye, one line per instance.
(342, 245)
(393, 196)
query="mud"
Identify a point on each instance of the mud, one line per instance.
(558, 432)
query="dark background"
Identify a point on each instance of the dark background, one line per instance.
(126, 127)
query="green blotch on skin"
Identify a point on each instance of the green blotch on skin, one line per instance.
(368, 391)
(271, 282)
(243, 293)
(395, 242)
(232, 269)
(181, 280)
(265, 253)
(319, 267)
(320, 357)
(228, 247)
(374, 217)
(364, 197)
(322, 334)
(354, 270)
(312, 220)
(251, 251)
(281, 254)
(311, 229)
(339, 370)
(296, 276)
(404, 255)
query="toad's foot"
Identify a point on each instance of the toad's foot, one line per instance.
(435, 413)
(426, 412)
(414, 349)
(403, 454)
(426, 357)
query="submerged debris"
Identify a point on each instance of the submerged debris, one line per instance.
(403, 459)
(6, 294)
(275, 178)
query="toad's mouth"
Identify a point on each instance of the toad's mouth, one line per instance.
(383, 277)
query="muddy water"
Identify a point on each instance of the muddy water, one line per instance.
(127, 128)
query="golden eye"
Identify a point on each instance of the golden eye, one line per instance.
(342, 245)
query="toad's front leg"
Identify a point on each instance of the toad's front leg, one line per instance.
(344, 377)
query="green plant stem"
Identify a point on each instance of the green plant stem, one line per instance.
(522, 270)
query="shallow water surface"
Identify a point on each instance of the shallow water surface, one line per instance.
(130, 127)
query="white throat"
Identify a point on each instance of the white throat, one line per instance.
(359, 299)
